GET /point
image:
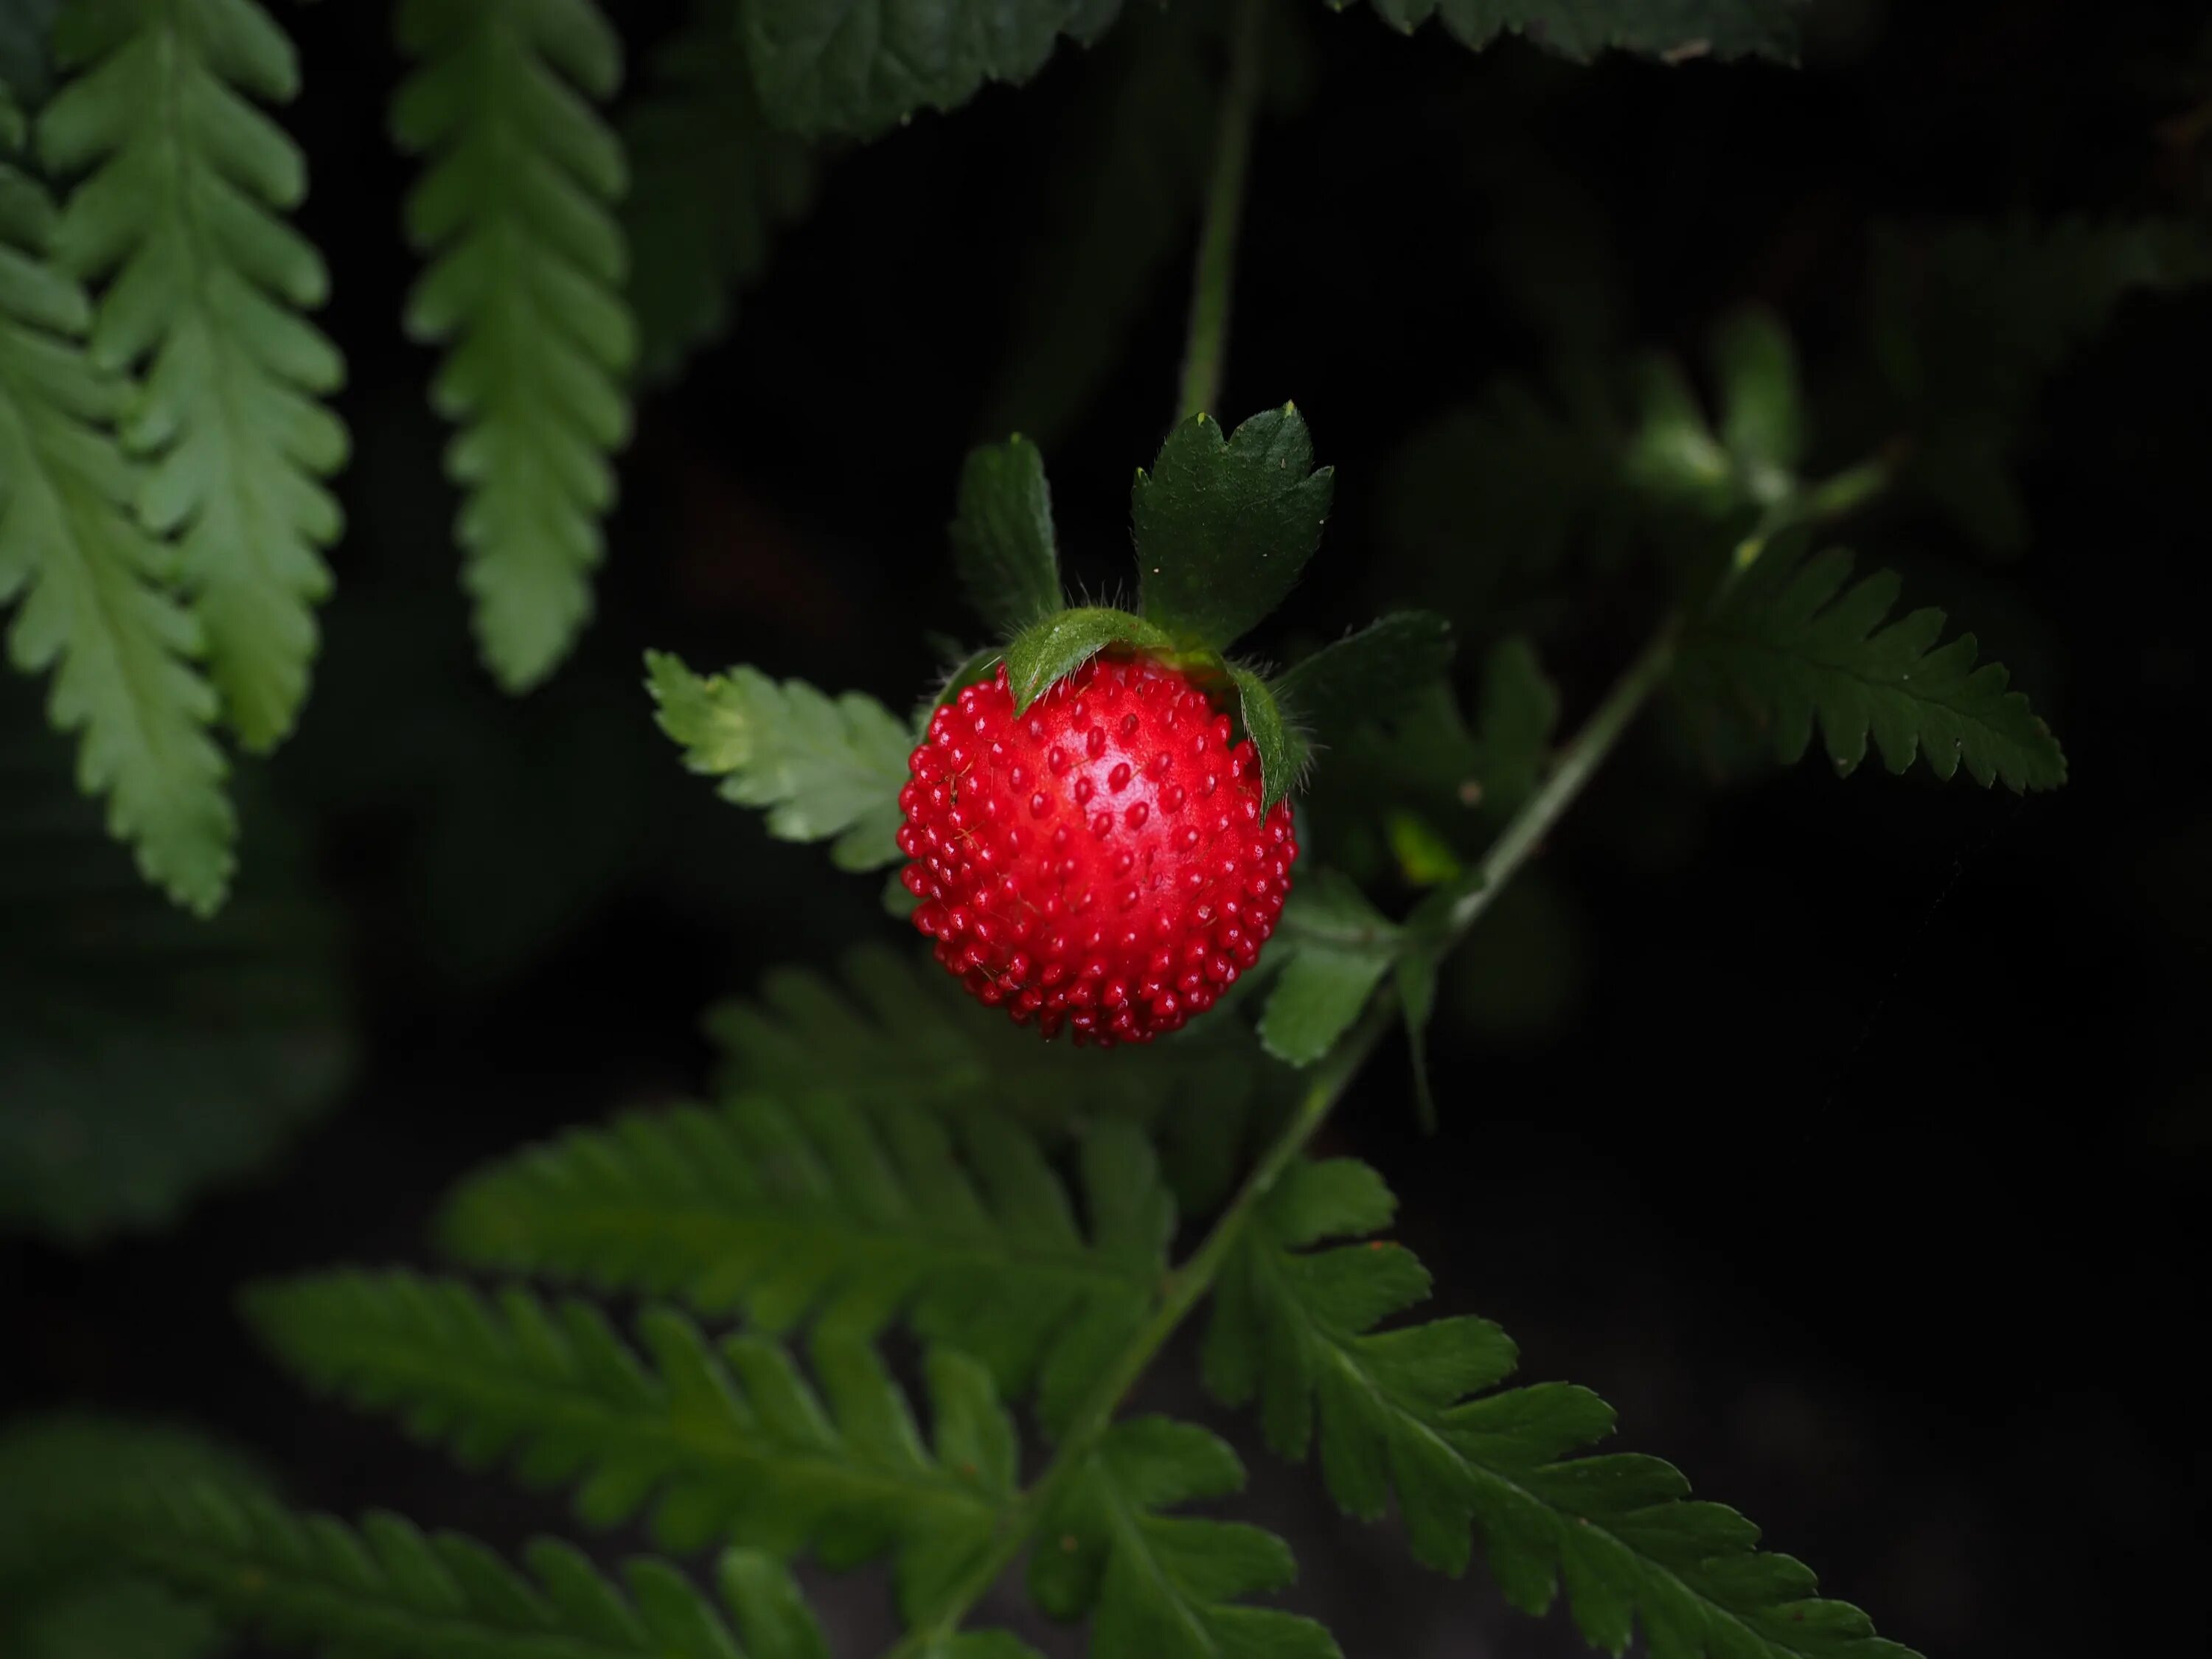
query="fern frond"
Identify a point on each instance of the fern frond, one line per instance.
(1166, 1587)
(387, 1591)
(729, 1445)
(1403, 1409)
(712, 182)
(90, 584)
(1796, 645)
(848, 1217)
(897, 1030)
(183, 211)
(515, 208)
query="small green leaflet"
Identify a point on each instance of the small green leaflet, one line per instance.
(1002, 535)
(1224, 525)
(1050, 650)
(1366, 678)
(821, 768)
(524, 288)
(1793, 645)
(711, 183)
(1159, 1586)
(1672, 30)
(88, 581)
(1283, 751)
(1340, 948)
(861, 66)
(1762, 405)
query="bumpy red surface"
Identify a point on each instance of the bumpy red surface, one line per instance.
(1101, 862)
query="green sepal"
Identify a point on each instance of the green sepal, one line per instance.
(1224, 525)
(1283, 749)
(1002, 535)
(1049, 650)
(1341, 946)
(1368, 677)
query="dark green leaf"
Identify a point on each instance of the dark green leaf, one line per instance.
(861, 66)
(821, 768)
(1519, 711)
(1417, 998)
(1367, 677)
(1762, 412)
(1674, 31)
(1050, 650)
(1283, 751)
(1002, 535)
(1224, 525)
(1341, 947)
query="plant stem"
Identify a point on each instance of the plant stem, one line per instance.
(1188, 1286)
(1206, 342)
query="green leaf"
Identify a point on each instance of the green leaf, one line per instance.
(1002, 535)
(864, 65)
(145, 1055)
(1762, 405)
(183, 212)
(388, 1592)
(725, 1444)
(1674, 31)
(1283, 749)
(820, 768)
(1402, 1411)
(524, 287)
(1165, 1586)
(1049, 650)
(712, 184)
(1341, 947)
(1366, 678)
(1224, 525)
(1416, 983)
(846, 1217)
(1792, 644)
(90, 583)
(1519, 711)
(25, 50)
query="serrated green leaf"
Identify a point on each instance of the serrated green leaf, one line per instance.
(387, 1591)
(90, 583)
(821, 769)
(1224, 525)
(1402, 1411)
(1674, 31)
(1794, 645)
(860, 67)
(1165, 1587)
(728, 1444)
(1002, 535)
(1367, 677)
(207, 285)
(1341, 947)
(711, 183)
(1049, 651)
(1283, 749)
(846, 1217)
(525, 288)
(1515, 721)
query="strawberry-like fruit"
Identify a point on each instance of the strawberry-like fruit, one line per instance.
(1100, 861)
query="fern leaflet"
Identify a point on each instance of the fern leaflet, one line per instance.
(388, 1592)
(524, 284)
(1793, 643)
(829, 1212)
(724, 1446)
(208, 285)
(1165, 1586)
(1404, 1409)
(711, 183)
(90, 583)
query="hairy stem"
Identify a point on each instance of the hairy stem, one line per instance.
(1208, 340)
(1188, 1286)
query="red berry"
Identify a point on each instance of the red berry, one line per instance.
(1101, 862)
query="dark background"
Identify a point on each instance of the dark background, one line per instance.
(1849, 1136)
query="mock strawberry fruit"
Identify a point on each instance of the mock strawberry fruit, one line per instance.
(1101, 861)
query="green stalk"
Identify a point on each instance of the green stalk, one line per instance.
(1207, 339)
(1188, 1286)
